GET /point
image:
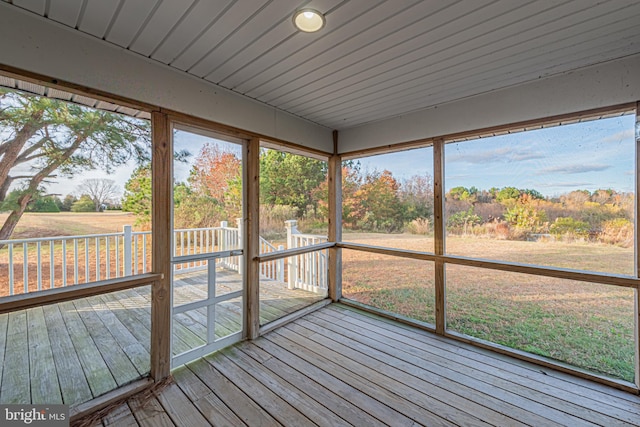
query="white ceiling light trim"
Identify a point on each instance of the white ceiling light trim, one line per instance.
(308, 20)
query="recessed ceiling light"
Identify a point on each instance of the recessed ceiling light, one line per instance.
(308, 20)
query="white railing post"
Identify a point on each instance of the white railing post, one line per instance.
(292, 229)
(280, 266)
(223, 244)
(127, 240)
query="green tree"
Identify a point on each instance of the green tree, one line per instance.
(67, 202)
(464, 194)
(55, 137)
(83, 204)
(507, 193)
(290, 179)
(137, 194)
(40, 202)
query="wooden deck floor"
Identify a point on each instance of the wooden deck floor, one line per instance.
(74, 351)
(338, 366)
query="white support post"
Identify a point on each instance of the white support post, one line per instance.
(239, 260)
(292, 229)
(127, 240)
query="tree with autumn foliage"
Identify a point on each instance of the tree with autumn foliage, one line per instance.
(217, 174)
(379, 206)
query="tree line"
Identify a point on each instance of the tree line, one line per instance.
(604, 215)
(295, 187)
(95, 195)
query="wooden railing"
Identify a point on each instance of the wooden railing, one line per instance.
(28, 265)
(306, 271)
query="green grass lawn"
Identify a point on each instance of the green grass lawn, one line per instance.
(586, 325)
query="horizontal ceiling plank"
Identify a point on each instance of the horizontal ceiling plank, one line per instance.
(364, 28)
(272, 14)
(35, 6)
(525, 66)
(130, 20)
(233, 17)
(66, 12)
(159, 25)
(97, 16)
(192, 24)
(445, 81)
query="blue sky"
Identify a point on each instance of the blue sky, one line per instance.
(591, 155)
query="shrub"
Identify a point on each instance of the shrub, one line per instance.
(272, 220)
(419, 226)
(83, 204)
(460, 222)
(571, 227)
(617, 231)
(498, 229)
(526, 217)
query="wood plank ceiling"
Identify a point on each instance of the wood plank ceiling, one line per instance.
(373, 60)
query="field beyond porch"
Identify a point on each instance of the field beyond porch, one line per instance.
(587, 325)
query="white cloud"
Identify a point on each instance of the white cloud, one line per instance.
(497, 155)
(573, 169)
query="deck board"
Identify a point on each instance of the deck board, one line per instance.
(466, 385)
(341, 366)
(178, 407)
(324, 396)
(385, 389)
(348, 390)
(73, 387)
(120, 417)
(119, 364)
(16, 387)
(95, 369)
(304, 403)
(245, 408)
(45, 388)
(283, 411)
(150, 413)
(497, 411)
(4, 321)
(205, 400)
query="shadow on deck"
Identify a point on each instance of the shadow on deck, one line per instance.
(74, 351)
